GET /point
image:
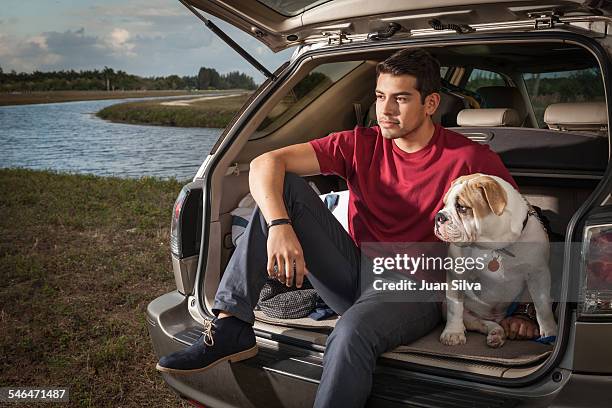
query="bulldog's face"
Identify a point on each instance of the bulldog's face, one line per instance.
(474, 211)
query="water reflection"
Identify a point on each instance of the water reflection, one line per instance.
(69, 137)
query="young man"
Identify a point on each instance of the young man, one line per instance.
(397, 174)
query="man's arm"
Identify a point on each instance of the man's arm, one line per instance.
(266, 179)
(520, 327)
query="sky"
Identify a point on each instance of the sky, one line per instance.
(142, 37)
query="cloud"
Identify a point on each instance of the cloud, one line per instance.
(136, 9)
(147, 17)
(40, 41)
(27, 54)
(71, 49)
(118, 41)
(143, 37)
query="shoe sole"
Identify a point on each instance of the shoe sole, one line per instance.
(232, 358)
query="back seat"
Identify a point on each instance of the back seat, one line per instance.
(556, 168)
(575, 141)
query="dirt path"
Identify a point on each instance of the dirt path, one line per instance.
(188, 102)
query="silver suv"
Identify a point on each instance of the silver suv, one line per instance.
(546, 65)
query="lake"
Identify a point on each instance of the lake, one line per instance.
(68, 137)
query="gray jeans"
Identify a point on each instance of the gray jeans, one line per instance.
(369, 325)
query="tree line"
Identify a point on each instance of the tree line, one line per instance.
(572, 86)
(564, 86)
(108, 79)
(209, 78)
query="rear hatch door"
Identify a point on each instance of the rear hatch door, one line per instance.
(281, 24)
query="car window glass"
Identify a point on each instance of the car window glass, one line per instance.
(479, 78)
(546, 88)
(303, 93)
(443, 72)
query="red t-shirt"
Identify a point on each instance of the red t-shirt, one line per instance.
(395, 195)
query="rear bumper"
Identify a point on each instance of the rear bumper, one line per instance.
(250, 383)
(288, 376)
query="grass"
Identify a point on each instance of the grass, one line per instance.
(72, 96)
(214, 113)
(80, 258)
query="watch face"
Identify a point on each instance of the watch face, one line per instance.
(529, 310)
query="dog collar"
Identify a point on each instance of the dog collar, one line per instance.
(505, 251)
(530, 212)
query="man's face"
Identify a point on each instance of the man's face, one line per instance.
(398, 105)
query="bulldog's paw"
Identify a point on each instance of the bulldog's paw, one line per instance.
(496, 337)
(452, 338)
(547, 330)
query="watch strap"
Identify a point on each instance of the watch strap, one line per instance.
(279, 221)
(526, 310)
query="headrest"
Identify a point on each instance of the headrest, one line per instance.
(488, 117)
(577, 116)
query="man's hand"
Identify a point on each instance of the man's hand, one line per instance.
(285, 250)
(520, 328)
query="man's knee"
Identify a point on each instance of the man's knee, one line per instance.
(297, 190)
(293, 181)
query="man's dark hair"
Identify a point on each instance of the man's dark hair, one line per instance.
(416, 62)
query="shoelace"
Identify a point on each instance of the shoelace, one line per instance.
(208, 332)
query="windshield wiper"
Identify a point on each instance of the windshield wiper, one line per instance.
(212, 26)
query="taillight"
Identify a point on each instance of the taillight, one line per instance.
(195, 403)
(596, 285)
(175, 226)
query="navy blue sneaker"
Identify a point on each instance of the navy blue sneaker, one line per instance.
(227, 339)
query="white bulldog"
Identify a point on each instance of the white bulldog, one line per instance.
(485, 216)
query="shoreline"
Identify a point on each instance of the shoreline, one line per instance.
(214, 111)
(43, 97)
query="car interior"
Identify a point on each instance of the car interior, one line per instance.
(540, 105)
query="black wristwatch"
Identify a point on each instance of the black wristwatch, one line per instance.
(526, 310)
(279, 221)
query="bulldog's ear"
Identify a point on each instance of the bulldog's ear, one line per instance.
(458, 180)
(494, 193)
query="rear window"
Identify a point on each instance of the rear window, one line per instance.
(291, 8)
(443, 71)
(303, 93)
(546, 88)
(479, 78)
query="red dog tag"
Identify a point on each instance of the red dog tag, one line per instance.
(493, 265)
